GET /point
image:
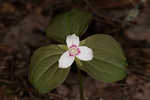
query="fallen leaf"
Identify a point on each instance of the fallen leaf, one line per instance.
(141, 31)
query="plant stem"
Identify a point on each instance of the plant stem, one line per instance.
(81, 86)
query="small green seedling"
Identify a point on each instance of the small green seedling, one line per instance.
(99, 55)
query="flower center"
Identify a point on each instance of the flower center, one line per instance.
(74, 50)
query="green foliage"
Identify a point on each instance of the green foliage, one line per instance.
(108, 63)
(44, 72)
(73, 22)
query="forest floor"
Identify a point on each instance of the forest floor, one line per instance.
(22, 30)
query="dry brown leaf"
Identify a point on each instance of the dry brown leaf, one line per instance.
(141, 31)
(24, 31)
(7, 7)
(114, 3)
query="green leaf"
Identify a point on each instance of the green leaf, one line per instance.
(75, 21)
(109, 61)
(44, 72)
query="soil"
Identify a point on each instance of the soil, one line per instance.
(23, 25)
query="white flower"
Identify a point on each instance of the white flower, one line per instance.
(74, 50)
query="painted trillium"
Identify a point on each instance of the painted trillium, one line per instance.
(74, 51)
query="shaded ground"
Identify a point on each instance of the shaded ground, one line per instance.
(22, 30)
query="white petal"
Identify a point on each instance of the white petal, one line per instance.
(65, 60)
(72, 40)
(86, 54)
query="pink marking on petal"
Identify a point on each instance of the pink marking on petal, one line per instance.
(75, 46)
(71, 54)
(78, 51)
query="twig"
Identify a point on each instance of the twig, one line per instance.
(5, 81)
(141, 75)
(99, 15)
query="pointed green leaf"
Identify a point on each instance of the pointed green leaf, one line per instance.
(108, 63)
(75, 21)
(44, 72)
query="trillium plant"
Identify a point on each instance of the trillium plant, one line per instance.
(99, 55)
